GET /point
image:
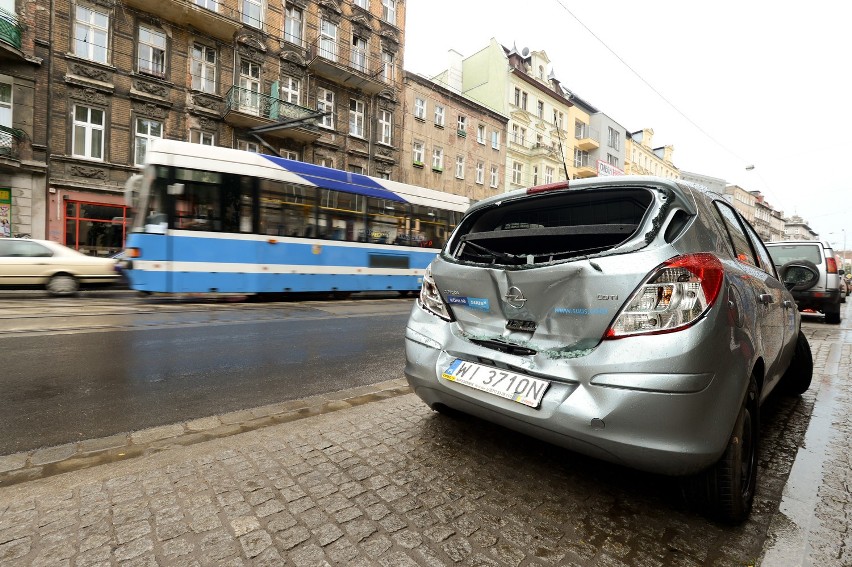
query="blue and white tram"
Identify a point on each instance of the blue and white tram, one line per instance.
(217, 220)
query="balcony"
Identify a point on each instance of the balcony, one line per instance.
(584, 168)
(207, 16)
(10, 29)
(10, 140)
(587, 138)
(248, 109)
(347, 65)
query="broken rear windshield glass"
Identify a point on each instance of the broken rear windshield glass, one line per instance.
(548, 228)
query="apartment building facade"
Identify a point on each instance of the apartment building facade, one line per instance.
(317, 81)
(453, 142)
(23, 164)
(520, 85)
(642, 158)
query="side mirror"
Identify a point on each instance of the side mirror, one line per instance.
(799, 276)
(841, 272)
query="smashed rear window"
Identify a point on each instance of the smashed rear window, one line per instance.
(553, 227)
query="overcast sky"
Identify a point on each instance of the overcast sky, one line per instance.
(749, 82)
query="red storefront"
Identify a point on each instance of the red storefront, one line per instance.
(93, 224)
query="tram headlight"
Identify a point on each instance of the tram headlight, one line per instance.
(430, 298)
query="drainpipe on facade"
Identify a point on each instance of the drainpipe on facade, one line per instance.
(48, 150)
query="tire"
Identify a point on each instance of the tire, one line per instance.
(726, 490)
(797, 378)
(63, 285)
(832, 317)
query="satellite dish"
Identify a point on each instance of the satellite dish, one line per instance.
(525, 52)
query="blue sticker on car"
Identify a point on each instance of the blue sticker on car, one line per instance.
(478, 303)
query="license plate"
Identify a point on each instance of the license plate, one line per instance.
(516, 387)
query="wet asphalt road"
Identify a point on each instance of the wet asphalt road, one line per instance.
(91, 367)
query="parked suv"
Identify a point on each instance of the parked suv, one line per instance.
(635, 319)
(823, 292)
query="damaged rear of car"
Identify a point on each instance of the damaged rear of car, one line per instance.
(632, 319)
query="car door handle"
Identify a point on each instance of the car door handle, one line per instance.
(787, 304)
(766, 298)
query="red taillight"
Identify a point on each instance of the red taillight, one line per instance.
(831, 265)
(673, 297)
(549, 187)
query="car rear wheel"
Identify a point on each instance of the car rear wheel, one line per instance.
(832, 314)
(63, 284)
(726, 490)
(797, 378)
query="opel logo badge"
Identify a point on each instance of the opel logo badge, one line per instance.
(515, 297)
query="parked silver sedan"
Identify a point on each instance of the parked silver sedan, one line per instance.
(31, 263)
(635, 319)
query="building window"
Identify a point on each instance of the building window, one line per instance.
(289, 154)
(253, 13)
(201, 137)
(211, 5)
(356, 117)
(418, 152)
(293, 25)
(91, 34)
(480, 134)
(495, 140)
(249, 87)
(480, 173)
(517, 172)
(517, 96)
(88, 136)
(253, 147)
(203, 68)
(420, 108)
(362, 4)
(581, 130)
(535, 175)
(326, 162)
(462, 124)
(548, 174)
(495, 177)
(614, 138)
(581, 158)
(96, 229)
(389, 11)
(291, 89)
(325, 103)
(439, 115)
(388, 69)
(356, 169)
(459, 167)
(524, 100)
(386, 127)
(146, 131)
(540, 106)
(6, 104)
(612, 160)
(359, 54)
(438, 159)
(152, 51)
(328, 40)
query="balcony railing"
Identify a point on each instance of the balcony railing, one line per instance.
(587, 138)
(10, 29)
(10, 140)
(251, 109)
(348, 64)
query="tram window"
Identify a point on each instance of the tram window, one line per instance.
(340, 215)
(428, 226)
(210, 201)
(385, 221)
(285, 209)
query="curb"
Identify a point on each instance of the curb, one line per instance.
(49, 461)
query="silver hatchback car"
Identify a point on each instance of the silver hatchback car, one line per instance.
(634, 319)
